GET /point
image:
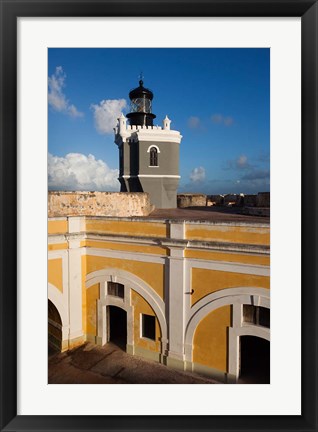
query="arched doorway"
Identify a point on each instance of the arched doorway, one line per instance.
(254, 360)
(54, 329)
(131, 283)
(117, 326)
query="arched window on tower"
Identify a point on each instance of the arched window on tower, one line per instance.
(153, 156)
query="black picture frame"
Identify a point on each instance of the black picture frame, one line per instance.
(10, 11)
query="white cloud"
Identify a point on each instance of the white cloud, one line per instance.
(197, 174)
(107, 113)
(220, 119)
(217, 118)
(194, 122)
(242, 162)
(56, 98)
(76, 171)
(228, 121)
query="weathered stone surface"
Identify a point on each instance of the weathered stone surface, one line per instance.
(191, 200)
(118, 204)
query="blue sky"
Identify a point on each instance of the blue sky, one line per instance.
(217, 98)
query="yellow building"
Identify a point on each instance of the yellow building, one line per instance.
(192, 294)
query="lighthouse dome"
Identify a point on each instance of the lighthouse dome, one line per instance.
(140, 92)
(141, 106)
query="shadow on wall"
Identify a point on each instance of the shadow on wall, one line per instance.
(54, 329)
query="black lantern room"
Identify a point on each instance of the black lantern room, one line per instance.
(140, 106)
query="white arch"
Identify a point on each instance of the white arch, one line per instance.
(211, 302)
(253, 330)
(132, 282)
(234, 346)
(151, 146)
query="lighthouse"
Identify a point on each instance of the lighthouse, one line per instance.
(148, 154)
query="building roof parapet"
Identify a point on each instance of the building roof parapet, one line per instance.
(145, 133)
(175, 220)
(144, 127)
(165, 242)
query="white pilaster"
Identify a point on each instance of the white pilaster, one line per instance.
(177, 230)
(76, 224)
(75, 289)
(234, 353)
(176, 306)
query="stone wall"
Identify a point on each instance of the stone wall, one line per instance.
(118, 204)
(191, 200)
(262, 199)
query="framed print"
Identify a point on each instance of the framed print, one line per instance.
(179, 275)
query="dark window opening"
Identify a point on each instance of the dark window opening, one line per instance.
(117, 320)
(256, 315)
(153, 156)
(115, 289)
(254, 360)
(149, 327)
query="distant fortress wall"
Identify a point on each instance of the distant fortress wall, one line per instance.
(262, 199)
(115, 204)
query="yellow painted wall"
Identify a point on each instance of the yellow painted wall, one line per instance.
(92, 295)
(143, 228)
(57, 226)
(57, 246)
(232, 234)
(55, 275)
(151, 273)
(142, 307)
(210, 339)
(208, 281)
(228, 257)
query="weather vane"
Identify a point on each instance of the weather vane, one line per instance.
(141, 76)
